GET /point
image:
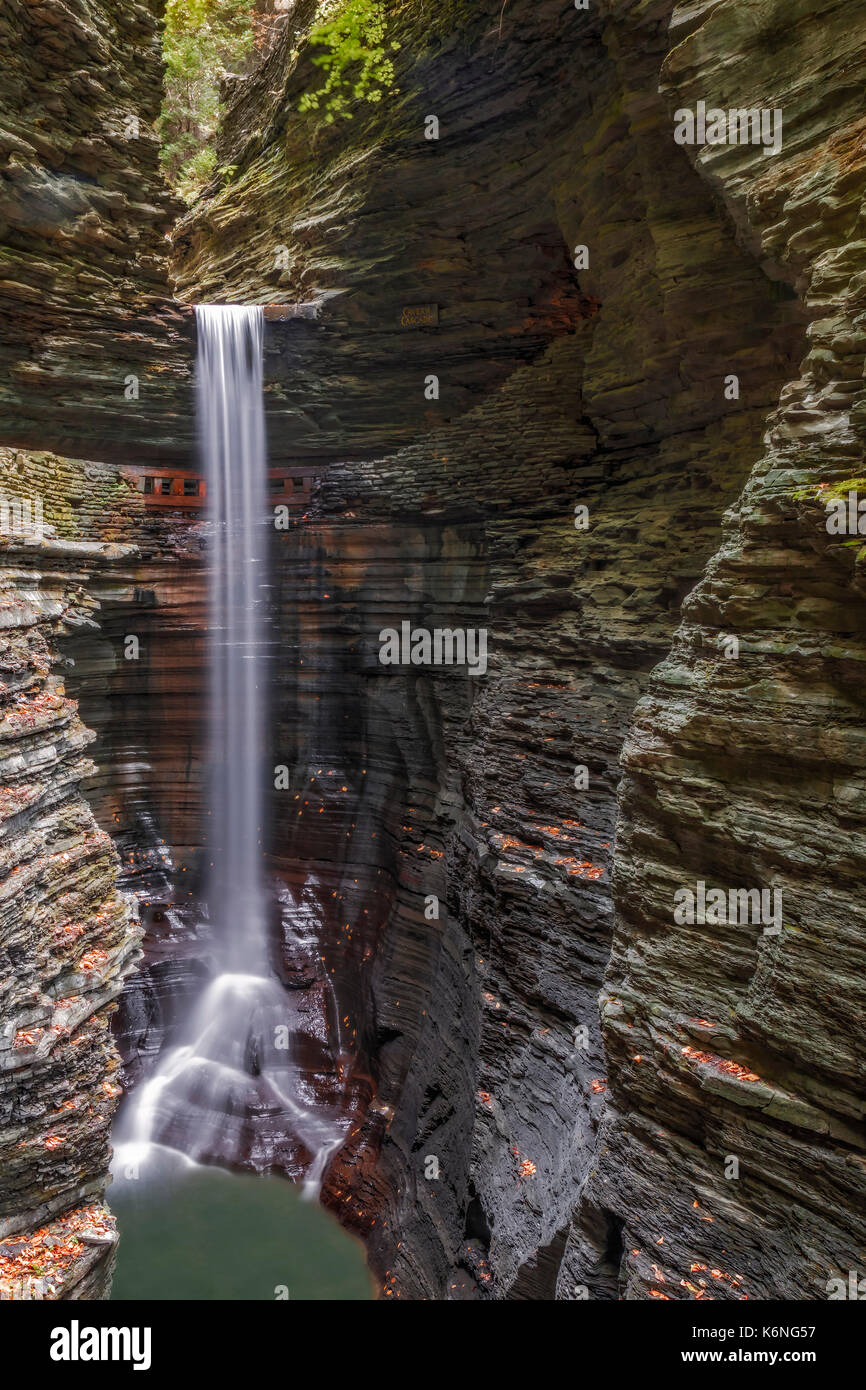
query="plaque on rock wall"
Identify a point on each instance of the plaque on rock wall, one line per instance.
(420, 316)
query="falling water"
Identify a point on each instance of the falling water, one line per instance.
(232, 421)
(231, 1092)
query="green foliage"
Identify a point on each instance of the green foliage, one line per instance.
(355, 62)
(196, 172)
(203, 39)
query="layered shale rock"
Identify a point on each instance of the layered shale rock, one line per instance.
(96, 364)
(66, 940)
(95, 360)
(97, 353)
(359, 233)
(731, 1156)
(493, 1066)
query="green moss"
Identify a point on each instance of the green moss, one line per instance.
(829, 491)
(836, 490)
(77, 501)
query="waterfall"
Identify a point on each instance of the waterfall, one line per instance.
(232, 425)
(230, 1093)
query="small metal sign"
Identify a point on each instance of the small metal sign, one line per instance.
(420, 316)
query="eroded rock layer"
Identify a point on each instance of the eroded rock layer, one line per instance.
(498, 1072)
(95, 360)
(731, 1153)
(66, 940)
(95, 363)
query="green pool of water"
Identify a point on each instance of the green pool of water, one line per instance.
(207, 1234)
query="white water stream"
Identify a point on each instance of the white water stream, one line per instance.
(230, 1092)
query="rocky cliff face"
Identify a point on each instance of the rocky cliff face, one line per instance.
(95, 358)
(488, 1058)
(734, 1125)
(66, 941)
(546, 1075)
(95, 362)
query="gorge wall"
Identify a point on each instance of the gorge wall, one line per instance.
(84, 212)
(750, 772)
(68, 939)
(545, 1082)
(89, 329)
